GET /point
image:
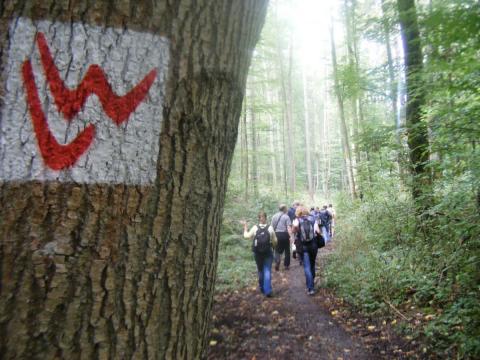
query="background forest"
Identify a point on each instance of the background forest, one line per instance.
(332, 114)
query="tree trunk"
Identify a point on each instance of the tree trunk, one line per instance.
(108, 246)
(307, 136)
(254, 152)
(391, 71)
(245, 146)
(416, 129)
(347, 153)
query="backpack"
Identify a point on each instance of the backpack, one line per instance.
(325, 217)
(261, 241)
(306, 231)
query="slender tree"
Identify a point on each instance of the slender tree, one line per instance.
(109, 230)
(347, 153)
(416, 128)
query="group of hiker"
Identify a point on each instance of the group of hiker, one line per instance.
(295, 229)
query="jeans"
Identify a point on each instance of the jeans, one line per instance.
(326, 234)
(283, 245)
(309, 257)
(264, 268)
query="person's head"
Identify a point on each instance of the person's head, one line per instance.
(262, 217)
(317, 208)
(283, 208)
(296, 204)
(301, 211)
(324, 207)
(312, 209)
(330, 205)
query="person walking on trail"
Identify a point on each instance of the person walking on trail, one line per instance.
(331, 210)
(282, 225)
(263, 241)
(306, 237)
(293, 208)
(325, 219)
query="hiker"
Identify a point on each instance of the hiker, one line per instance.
(331, 210)
(291, 215)
(307, 245)
(264, 240)
(282, 225)
(325, 218)
(293, 208)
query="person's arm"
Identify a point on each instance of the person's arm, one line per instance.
(273, 236)
(316, 228)
(288, 223)
(249, 234)
(295, 226)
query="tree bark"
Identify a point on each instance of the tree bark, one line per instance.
(118, 270)
(416, 129)
(347, 153)
(307, 136)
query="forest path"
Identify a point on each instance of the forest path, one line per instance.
(294, 325)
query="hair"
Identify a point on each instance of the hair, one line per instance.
(301, 211)
(296, 203)
(283, 207)
(330, 205)
(262, 213)
(324, 206)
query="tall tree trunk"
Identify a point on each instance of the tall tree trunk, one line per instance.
(307, 135)
(245, 146)
(99, 256)
(391, 70)
(253, 130)
(290, 125)
(286, 86)
(416, 129)
(343, 124)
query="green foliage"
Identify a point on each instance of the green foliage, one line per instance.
(388, 257)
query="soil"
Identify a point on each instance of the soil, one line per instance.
(294, 325)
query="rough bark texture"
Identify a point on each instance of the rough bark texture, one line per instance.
(116, 271)
(416, 129)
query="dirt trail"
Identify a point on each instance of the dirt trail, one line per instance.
(292, 325)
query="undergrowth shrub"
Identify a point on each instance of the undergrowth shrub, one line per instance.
(387, 259)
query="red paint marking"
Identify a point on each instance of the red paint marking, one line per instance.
(70, 102)
(55, 155)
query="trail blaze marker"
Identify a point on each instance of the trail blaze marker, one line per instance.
(75, 99)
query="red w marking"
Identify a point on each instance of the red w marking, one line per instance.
(55, 155)
(70, 102)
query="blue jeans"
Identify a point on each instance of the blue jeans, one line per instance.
(264, 268)
(326, 233)
(309, 257)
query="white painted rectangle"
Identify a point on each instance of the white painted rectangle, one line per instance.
(118, 153)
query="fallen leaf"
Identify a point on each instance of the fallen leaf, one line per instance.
(334, 312)
(371, 327)
(213, 342)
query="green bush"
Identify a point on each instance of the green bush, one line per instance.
(386, 257)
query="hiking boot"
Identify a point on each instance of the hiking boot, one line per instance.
(311, 292)
(277, 267)
(269, 295)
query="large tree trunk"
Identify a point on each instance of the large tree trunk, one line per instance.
(116, 260)
(416, 129)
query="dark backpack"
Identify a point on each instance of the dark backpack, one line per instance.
(261, 241)
(324, 217)
(306, 232)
